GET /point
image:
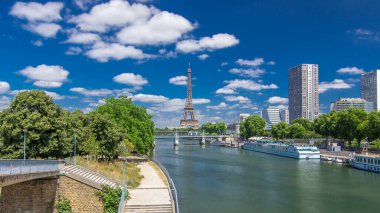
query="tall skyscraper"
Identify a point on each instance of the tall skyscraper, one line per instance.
(303, 92)
(271, 116)
(284, 115)
(371, 88)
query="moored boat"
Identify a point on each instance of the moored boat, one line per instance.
(282, 149)
(368, 162)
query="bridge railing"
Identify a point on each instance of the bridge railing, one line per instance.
(15, 167)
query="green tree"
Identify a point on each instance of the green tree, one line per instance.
(108, 135)
(252, 126)
(308, 125)
(372, 126)
(280, 130)
(296, 130)
(110, 197)
(214, 128)
(350, 125)
(135, 120)
(45, 122)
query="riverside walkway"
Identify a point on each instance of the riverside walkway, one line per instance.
(153, 194)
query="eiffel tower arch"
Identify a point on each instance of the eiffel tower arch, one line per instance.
(188, 119)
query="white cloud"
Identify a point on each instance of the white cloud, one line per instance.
(248, 85)
(34, 11)
(130, 79)
(282, 107)
(48, 84)
(350, 71)
(94, 92)
(271, 63)
(240, 99)
(178, 80)
(53, 95)
(74, 51)
(253, 73)
(84, 4)
(254, 63)
(104, 52)
(277, 100)
(176, 104)
(47, 30)
(203, 57)
(83, 38)
(224, 64)
(37, 43)
(163, 28)
(335, 84)
(113, 14)
(146, 98)
(4, 87)
(222, 105)
(218, 41)
(200, 101)
(4, 102)
(45, 75)
(225, 91)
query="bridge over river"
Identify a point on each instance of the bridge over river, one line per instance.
(193, 135)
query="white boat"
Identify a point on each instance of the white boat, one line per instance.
(337, 160)
(281, 149)
(368, 162)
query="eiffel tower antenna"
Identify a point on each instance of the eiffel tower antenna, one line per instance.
(188, 119)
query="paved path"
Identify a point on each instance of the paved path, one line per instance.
(153, 193)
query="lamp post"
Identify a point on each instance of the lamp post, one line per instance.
(75, 148)
(24, 130)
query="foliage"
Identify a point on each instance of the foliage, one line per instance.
(280, 130)
(307, 125)
(296, 130)
(252, 126)
(46, 126)
(108, 135)
(64, 205)
(135, 121)
(214, 128)
(51, 130)
(111, 198)
(372, 126)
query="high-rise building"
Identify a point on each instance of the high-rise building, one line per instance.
(371, 88)
(346, 103)
(243, 116)
(271, 116)
(284, 115)
(303, 92)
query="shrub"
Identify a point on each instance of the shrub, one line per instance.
(64, 205)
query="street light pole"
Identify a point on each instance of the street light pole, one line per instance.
(75, 149)
(24, 130)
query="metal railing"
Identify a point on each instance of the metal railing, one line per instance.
(173, 190)
(124, 189)
(15, 167)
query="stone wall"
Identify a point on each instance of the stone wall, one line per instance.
(35, 196)
(82, 197)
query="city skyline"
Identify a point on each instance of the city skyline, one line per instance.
(237, 68)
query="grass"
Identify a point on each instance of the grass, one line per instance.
(114, 170)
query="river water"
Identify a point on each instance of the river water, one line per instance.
(218, 179)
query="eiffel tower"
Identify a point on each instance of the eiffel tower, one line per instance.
(189, 108)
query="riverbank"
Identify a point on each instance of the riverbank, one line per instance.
(153, 193)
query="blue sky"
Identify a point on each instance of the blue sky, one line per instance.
(82, 51)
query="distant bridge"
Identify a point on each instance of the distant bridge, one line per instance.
(176, 135)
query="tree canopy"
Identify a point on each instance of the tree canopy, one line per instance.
(112, 129)
(133, 119)
(252, 126)
(214, 128)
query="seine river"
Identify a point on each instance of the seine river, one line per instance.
(217, 179)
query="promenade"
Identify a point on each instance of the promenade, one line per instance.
(153, 192)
